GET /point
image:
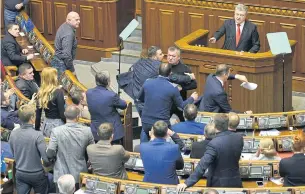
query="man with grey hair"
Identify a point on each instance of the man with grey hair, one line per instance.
(233, 121)
(66, 44)
(241, 34)
(66, 184)
(106, 159)
(211, 191)
(105, 110)
(221, 158)
(145, 68)
(68, 145)
(199, 148)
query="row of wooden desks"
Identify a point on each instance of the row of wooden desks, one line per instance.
(134, 176)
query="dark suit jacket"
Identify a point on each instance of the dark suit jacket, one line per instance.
(160, 161)
(162, 91)
(249, 40)
(293, 170)
(222, 159)
(199, 148)
(11, 52)
(27, 87)
(189, 127)
(102, 105)
(215, 98)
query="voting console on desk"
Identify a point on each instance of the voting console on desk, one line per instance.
(134, 163)
(173, 190)
(272, 191)
(299, 119)
(299, 190)
(97, 186)
(229, 190)
(271, 122)
(140, 189)
(284, 143)
(259, 169)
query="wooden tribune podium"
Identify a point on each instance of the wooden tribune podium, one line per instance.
(261, 68)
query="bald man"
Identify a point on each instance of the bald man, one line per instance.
(233, 121)
(66, 44)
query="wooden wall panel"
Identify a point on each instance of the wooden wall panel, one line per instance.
(100, 23)
(167, 28)
(2, 18)
(87, 29)
(138, 7)
(37, 15)
(262, 29)
(195, 21)
(302, 47)
(154, 38)
(181, 22)
(60, 13)
(49, 18)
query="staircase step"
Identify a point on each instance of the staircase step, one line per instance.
(137, 32)
(127, 56)
(139, 19)
(133, 43)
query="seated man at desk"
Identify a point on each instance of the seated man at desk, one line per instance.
(190, 126)
(161, 158)
(241, 34)
(25, 81)
(11, 52)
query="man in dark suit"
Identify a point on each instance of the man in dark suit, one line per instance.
(215, 97)
(199, 148)
(190, 126)
(132, 81)
(159, 95)
(293, 169)
(241, 35)
(103, 104)
(25, 81)
(221, 158)
(182, 75)
(161, 159)
(11, 52)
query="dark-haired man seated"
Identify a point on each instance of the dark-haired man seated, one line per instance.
(11, 52)
(190, 126)
(25, 81)
(161, 158)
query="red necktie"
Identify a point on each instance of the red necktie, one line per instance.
(238, 34)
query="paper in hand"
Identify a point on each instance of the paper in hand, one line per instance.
(249, 86)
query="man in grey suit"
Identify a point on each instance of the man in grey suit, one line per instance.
(106, 159)
(68, 145)
(241, 34)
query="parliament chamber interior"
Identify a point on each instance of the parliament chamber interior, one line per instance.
(98, 48)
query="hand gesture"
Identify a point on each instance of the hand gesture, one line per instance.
(32, 101)
(9, 92)
(181, 187)
(170, 132)
(241, 78)
(30, 56)
(19, 6)
(25, 51)
(192, 75)
(195, 96)
(212, 40)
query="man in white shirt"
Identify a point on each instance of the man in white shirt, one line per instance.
(241, 35)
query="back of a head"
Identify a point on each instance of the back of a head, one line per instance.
(152, 51)
(26, 113)
(210, 131)
(267, 147)
(11, 25)
(102, 78)
(105, 131)
(211, 191)
(222, 69)
(66, 184)
(190, 112)
(160, 129)
(233, 120)
(22, 68)
(72, 112)
(221, 121)
(298, 143)
(76, 97)
(165, 69)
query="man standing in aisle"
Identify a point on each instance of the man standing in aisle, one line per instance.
(66, 44)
